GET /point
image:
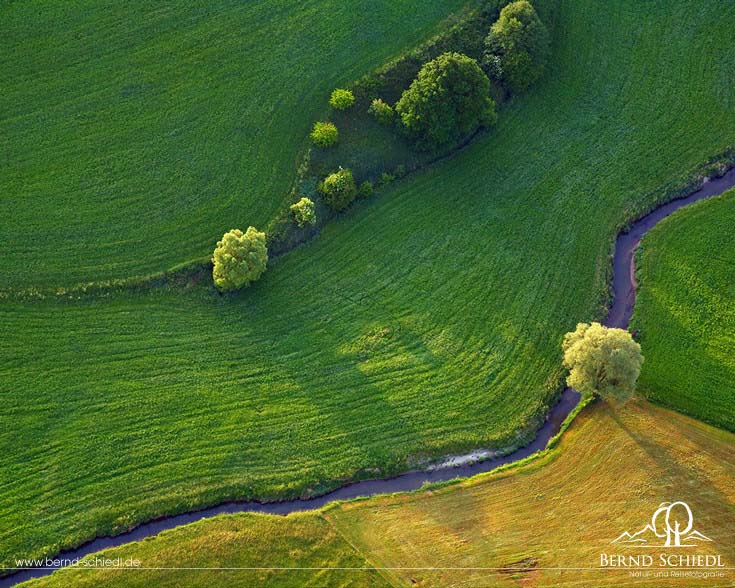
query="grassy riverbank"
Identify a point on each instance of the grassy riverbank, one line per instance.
(686, 311)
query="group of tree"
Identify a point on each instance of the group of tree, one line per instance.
(448, 100)
(450, 97)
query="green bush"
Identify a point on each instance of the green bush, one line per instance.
(239, 258)
(341, 99)
(324, 134)
(304, 212)
(382, 111)
(521, 42)
(448, 100)
(339, 189)
(386, 178)
(366, 190)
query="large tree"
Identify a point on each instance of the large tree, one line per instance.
(240, 258)
(448, 100)
(521, 42)
(602, 361)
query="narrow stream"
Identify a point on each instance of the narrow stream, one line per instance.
(618, 316)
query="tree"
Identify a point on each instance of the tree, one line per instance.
(239, 258)
(324, 134)
(602, 361)
(341, 99)
(448, 100)
(339, 189)
(303, 212)
(521, 42)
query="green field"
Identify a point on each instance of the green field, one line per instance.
(424, 321)
(610, 471)
(132, 138)
(686, 311)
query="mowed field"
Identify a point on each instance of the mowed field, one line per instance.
(134, 135)
(422, 322)
(686, 311)
(299, 541)
(608, 475)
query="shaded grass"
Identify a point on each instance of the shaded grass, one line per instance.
(423, 322)
(133, 137)
(610, 471)
(686, 311)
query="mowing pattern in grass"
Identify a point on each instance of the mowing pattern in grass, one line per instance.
(686, 311)
(425, 321)
(609, 474)
(135, 134)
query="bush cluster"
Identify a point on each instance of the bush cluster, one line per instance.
(239, 259)
(304, 212)
(341, 99)
(324, 134)
(339, 189)
(366, 189)
(449, 99)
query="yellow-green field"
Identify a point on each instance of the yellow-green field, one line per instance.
(609, 473)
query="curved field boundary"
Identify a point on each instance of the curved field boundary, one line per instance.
(619, 315)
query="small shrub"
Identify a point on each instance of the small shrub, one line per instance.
(400, 171)
(324, 134)
(382, 111)
(341, 99)
(521, 42)
(386, 178)
(339, 189)
(449, 99)
(304, 212)
(366, 190)
(239, 258)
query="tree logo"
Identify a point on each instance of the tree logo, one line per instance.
(672, 521)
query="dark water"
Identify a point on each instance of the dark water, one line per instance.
(626, 244)
(618, 316)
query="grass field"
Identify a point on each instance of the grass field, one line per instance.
(686, 311)
(132, 138)
(609, 473)
(424, 321)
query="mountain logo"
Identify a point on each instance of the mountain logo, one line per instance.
(672, 521)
